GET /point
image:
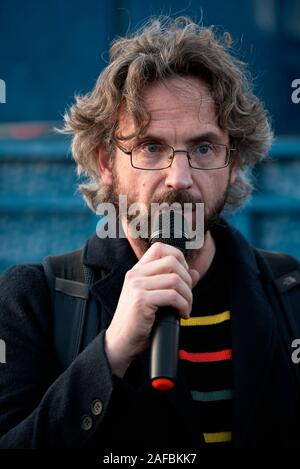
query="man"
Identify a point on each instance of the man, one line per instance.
(171, 119)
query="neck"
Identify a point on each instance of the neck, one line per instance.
(200, 259)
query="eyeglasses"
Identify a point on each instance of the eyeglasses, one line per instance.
(156, 156)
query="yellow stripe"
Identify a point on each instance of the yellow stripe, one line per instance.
(206, 320)
(219, 437)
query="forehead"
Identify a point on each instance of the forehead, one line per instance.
(176, 101)
(188, 94)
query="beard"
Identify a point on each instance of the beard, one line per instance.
(211, 213)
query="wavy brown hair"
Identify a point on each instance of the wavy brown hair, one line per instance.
(166, 48)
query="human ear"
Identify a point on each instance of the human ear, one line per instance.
(233, 170)
(105, 166)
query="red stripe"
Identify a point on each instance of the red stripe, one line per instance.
(206, 357)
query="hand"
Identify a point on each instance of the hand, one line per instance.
(160, 278)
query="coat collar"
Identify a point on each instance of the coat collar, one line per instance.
(252, 317)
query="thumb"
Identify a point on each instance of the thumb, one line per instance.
(195, 276)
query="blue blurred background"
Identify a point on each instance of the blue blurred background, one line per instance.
(50, 50)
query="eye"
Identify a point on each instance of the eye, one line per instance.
(203, 149)
(151, 148)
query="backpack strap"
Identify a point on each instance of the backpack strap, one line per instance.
(285, 269)
(286, 280)
(75, 314)
(281, 274)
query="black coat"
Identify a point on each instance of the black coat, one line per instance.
(40, 408)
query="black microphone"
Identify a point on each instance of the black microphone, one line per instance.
(165, 332)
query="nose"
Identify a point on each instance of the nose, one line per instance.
(179, 173)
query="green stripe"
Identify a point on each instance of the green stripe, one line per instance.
(212, 395)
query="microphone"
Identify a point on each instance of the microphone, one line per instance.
(165, 333)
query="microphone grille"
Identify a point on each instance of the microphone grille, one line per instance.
(169, 229)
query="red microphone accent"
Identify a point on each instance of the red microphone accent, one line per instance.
(162, 384)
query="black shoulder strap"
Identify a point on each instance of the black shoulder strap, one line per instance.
(75, 318)
(281, 274)
(286, 280)
(285, 269)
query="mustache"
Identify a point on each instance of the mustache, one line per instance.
(179, 196)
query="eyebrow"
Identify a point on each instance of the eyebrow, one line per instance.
(210, 136)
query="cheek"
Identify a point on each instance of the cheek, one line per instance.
(120, 167)
(213, 185)
(208, 184)
(136, 188)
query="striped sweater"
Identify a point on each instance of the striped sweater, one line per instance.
(206, 355)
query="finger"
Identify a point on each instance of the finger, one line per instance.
(195, 276)
(165, 265)
(167, 281)
(160, 298)
(158, 250)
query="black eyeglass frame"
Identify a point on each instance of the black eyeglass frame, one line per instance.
(129, 153)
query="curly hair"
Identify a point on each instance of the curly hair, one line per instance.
(167, 48)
